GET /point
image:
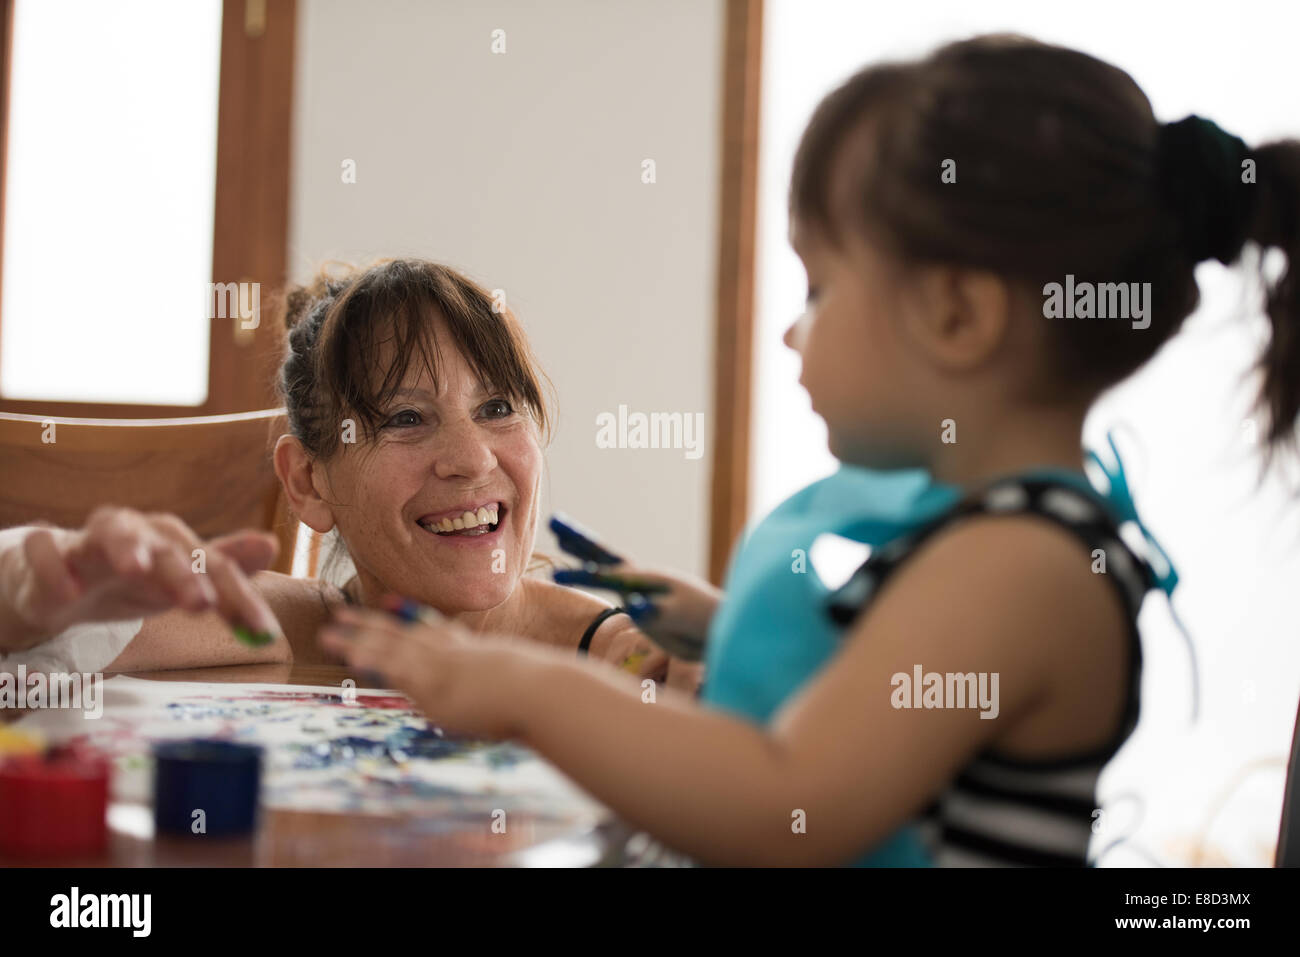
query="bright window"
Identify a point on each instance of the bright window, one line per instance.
(109, 201)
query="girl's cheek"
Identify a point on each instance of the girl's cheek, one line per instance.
(812, 348)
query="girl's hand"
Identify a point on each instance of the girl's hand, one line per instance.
(124, 565)
(673, 608)
(465, 683)
(678, 619)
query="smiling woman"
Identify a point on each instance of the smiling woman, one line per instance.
(441, 390)
(416, 423)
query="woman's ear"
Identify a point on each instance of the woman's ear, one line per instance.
(294, 467)
(962, 316)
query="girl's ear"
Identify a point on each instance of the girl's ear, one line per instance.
(294, 467)
(962, 315)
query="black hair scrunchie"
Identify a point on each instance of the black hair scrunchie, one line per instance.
(1199, 170)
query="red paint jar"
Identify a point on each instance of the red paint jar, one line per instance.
(54, 805)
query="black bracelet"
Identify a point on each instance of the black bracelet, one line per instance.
(585, 645)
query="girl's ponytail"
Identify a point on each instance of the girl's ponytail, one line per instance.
(1223, 195)
(1276, 222)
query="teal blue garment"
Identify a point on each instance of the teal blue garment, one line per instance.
(772, 632)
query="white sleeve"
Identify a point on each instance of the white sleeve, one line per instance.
(82, 648)
(87, 649)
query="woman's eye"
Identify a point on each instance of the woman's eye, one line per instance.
(405, 419)
(813, 293)
(497, 409)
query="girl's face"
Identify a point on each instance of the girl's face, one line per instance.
(440, 454)
(857, 368)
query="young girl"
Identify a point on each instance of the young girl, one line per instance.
(988, 664)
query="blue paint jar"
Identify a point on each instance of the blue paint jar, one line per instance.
(206, 788)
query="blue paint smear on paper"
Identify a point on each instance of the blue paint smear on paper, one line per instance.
(397, 748)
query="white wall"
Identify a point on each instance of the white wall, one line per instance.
(524, 169)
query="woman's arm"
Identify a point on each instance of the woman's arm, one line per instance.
(178, 639)
(175, 640)
(123, 566)
(1010, 598)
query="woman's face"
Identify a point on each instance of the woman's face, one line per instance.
(457, 455)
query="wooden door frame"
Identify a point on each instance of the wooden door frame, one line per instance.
(251, 207)
(734, 342)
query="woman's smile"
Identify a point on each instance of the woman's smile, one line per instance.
(467, 525)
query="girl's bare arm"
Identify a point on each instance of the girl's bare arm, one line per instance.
(1010, 597)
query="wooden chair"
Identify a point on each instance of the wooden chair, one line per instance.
(214, 472)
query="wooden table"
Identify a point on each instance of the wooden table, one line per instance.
(287, 838)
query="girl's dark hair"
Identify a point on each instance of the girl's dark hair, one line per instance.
(339, 324)
(1061, 168)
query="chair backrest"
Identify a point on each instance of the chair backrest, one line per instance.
(1288, 839)
(214, 472)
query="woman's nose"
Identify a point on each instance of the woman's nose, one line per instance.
(464, 452)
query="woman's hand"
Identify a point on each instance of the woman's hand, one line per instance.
(124, 565)
(622, 643)
(463, 682)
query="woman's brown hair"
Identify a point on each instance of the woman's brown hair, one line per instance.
(340, 324)
(1061, 168)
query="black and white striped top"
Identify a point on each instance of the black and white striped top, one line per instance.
(1001, 811)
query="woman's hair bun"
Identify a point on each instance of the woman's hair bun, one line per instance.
(301, 301)
(297, 303)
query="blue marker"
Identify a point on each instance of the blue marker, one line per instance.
(404, 608)
(580, 543)
(619, 583)
(577, 541)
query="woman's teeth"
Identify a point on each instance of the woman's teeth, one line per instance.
(480, 522)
